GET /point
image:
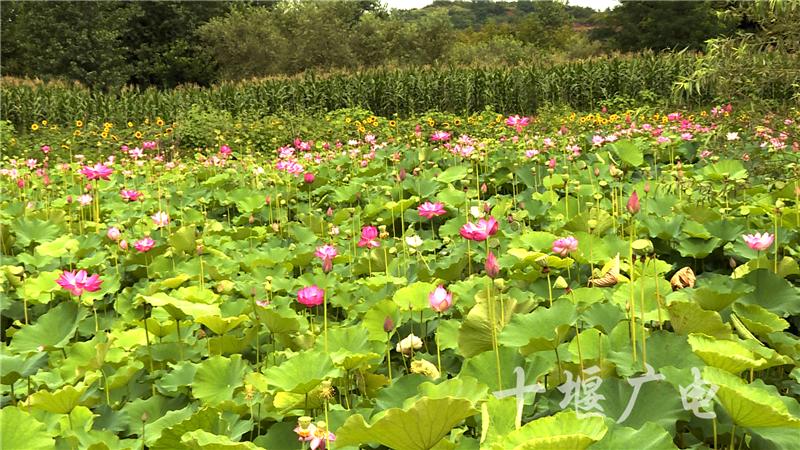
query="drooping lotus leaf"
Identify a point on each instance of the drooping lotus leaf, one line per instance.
(21, 431)
(498, 418)
(217, 378)
(350, 347)
(542, 329)
(475, 334)
(603, 316)
(715, 292)
(689, 317)
(201, 439)
(696, 247)
(786, 266)
(50, 331)
(181, 309)
(727, 355)
(221, 325)
(399, 390)
(418, 427)
(772, 357)
(750, 405)
(618, 395)
(759, 320)
(376, 316)
(772, 292)
(560, 431)
(483, 367)
(785, 343)
(30, 230)
(183, 239)
(725, 169)
(280, 319)
(40, 288)
(300, 374)
(61, 401)
(462, 387)
(211, 420)
(628, 152)
(648, 437)
(452, 174)
(670, 349)
(14, 367)
(58, 247)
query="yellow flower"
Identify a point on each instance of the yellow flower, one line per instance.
(168, 130)
(130, 124)
(137, 135)
(76, 133)
(44, 123)
(104, 134)
(457, 122)
(392, 123)
(159, 122)
(34, 126)
(78, 123)
(703, 113)
(347, 120)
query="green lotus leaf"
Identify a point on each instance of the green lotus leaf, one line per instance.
(628, 152)
(51, 330)
(670, 349)
(618, 394)
(772, 357)
(58, 247)
(207, 419)
(772, 292)
(475, 334)
(41, 287)
(217, 378)
(14, 367)
(593, 344)
(542, 329)
(30, 230)
(483, 367)
(399, 390)
(726, 355)
(726, 169)
(376, 316)
(696, 247)
(350, 347)
(759, 320)
(462, 387)
(60, 401)
(174, 282)
(280, 319)
(773, 438)
(715, 292)
(603, 316)
(221, 325)
(201, 439)
(648, 437)
(785, 343)
(19, 430)
(196, 294)
(498, 418)
(183, 239)
(246, 200)
(414, 296)
(419, 427)
(452, 174)
(535, 240)
(689, 317)
(180, 309)
(749, 405)
(787, 266)
(302, 373)
(11, 276)
(560, 431)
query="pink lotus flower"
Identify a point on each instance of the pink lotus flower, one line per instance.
(160, 219)
(79, 282)
(430, 210)
(440, 136)
(440, 299)
(565, 246)
(144, 244)
(311, 296)
(368, 235)
(759, 241)
(481, 230)
(517, 122)
(633, 205)
(123, 244)
(85, 199)
(308, 177)
(130, 195)
(491, 266)
(113, 233)
(98, 171)
(326, 253)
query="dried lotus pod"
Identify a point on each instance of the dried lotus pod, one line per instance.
(682, 279)
(609, 276)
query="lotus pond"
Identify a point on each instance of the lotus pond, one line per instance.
(566, 282)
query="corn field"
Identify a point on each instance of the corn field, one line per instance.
(647, 77)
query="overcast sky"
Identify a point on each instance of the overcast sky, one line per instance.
(410, 4)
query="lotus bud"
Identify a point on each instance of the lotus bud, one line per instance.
(388, 324)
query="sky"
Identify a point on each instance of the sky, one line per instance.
(411, 4)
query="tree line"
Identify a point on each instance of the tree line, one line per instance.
(167, 43)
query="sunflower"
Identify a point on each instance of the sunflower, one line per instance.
(34, 126)
(104, 134)
(78, 123)
(130, 124)
(76, 133)
(347, 120)
(456, 122)
(160, 122)
(137, 135)
(44, 123)
(392, 123)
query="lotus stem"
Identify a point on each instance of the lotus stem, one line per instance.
(438, 350)
(631, 301)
